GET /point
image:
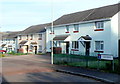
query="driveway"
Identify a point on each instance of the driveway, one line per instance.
(34, 68)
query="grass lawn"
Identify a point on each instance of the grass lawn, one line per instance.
(82, 61)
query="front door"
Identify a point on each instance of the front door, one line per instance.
(35, 49)
(67, 47)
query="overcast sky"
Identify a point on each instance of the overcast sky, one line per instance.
(17, 15)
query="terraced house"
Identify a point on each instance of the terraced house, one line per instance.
(9, 41)
(32, 39)
(94, 30)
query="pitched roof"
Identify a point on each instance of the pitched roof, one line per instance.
(10, 35)
(92, 14)
(35, 29)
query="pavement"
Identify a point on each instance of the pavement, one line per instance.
(90, 73)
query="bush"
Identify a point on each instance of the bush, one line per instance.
(2, 55)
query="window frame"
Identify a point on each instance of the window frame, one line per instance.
(99, 25)
(40, 47)
(31, 37)
(76, 28)
(40, 36)
(67, 28)
(100, 45)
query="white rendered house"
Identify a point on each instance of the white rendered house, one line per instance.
(32, 39)
(9, 41)
(71, 30)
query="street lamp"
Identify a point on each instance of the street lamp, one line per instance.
(52, 31)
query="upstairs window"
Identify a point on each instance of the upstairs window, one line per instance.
(40, 37)
(27, 37)
(76, 28)
(31, 36)
(99, 26)
(51, 30)
(40, 47)
(20, 38)
(99, 45)
(67, 29)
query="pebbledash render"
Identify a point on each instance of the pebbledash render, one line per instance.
(99, 26)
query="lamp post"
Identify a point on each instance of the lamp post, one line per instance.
(52, 32)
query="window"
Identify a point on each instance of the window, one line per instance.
(20, 37)
(51, 30)
(99, 25)
(75, 44)
(40, 37)
(27, 37)
(40, 47)
(31, 47)
(31, 37)
(99, 45)
(76, 27)
(67, 28)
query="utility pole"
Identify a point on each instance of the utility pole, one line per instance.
(52, 31)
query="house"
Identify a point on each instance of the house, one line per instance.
(94, 31)
(32, 39)
(8, 41)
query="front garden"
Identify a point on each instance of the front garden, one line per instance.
(91, 62)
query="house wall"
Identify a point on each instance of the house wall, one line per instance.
(114, 35)
(85, 29)
(10, 41)
(35, 39)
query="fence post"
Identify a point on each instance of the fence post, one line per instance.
(113, 65)
(98, 68)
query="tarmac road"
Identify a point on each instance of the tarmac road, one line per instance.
(35, 68)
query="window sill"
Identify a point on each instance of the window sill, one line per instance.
(66, 32)
(75, 31)
(40, 39)
(99, 30)
(99, 51)
(74, 50)
(51, 33)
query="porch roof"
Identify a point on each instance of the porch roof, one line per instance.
(85, 38)
(33, 42)
(3, 45)
(9, 45)
(23, 42)
(60, 37)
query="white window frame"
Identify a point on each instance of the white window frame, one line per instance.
(99, 25)
(67, 29)
(40, 47)
(40, 36)
(51, 30)
(31, 36)
(100, 45)
(76, 27)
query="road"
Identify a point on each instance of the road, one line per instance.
(35, 68)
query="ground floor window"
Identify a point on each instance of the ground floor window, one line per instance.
(99, 45)
(40, 47)
(75, 44)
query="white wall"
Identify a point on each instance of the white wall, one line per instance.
(114, 35)
(86, 29)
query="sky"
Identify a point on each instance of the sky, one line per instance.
(17, 15)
